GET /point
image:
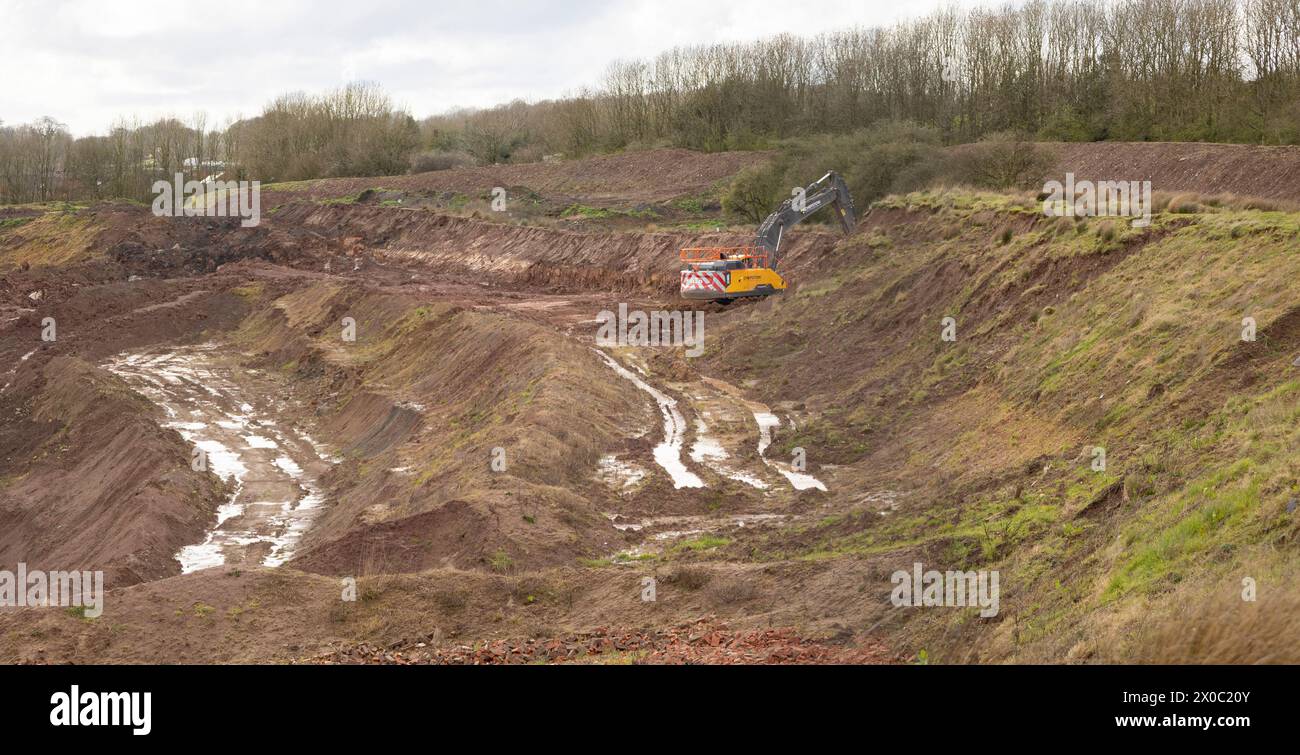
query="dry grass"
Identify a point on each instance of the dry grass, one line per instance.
(53, 239)
(1220, 627)
(732, 591)
(689, 577)
(1190, 202)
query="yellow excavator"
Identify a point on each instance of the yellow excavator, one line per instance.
(726, 273)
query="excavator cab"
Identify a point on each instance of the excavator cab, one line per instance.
(726, 273)
(723, 273)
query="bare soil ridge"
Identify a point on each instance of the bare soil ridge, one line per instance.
(475, 334)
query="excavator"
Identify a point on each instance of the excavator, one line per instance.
(723, 274)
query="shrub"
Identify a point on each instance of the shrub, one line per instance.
(891, 157)
(1184, 203)
(427, 162)
(1001, 161)
(501, 562)
(754, 193)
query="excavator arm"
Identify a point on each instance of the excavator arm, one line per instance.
(829, 189)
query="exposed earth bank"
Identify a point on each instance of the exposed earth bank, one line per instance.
(415, 451)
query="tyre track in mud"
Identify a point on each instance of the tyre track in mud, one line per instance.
(709, 400)
(714, 405)
(271, 467)
(712, 440)
(696, 403)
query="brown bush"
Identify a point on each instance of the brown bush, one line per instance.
(689, 577)
(1185, 203)
(428, 162)
(731, 591)
(1001, 161)
(1222, 628)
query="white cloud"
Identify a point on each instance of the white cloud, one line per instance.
(87, 62)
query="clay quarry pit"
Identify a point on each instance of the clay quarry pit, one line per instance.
(497, 486)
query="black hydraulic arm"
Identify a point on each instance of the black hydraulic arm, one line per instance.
(829, 189)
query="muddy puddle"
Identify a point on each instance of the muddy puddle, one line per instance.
(727, 428)
(623, 476)
(664, 532)
(722, 432)
(766, 421)
(235, 417)
(668, 454)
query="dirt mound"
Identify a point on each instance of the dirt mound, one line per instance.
(452, 534)
(632, 177)
(119, 240)
(522, 256)
(259, 614)
(419, 406)
(702, 642)
(1271, 172)
(89, 480)
(374, 424)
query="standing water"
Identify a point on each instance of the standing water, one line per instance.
(274, 473)
(668, 454)
(766, 421)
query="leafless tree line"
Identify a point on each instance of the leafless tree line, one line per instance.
(352, 131)
(1213, 70)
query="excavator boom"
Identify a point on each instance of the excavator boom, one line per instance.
(830, 189)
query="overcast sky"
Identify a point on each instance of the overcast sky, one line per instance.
(85, 62)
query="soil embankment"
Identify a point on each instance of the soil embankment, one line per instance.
(411, 398)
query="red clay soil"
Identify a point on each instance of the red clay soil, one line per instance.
(702, 642)
(1241, 169)
(409, 544)
(1271, 172)
(524, 257)
(90, 479)
(649, 176)
(93, 480)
